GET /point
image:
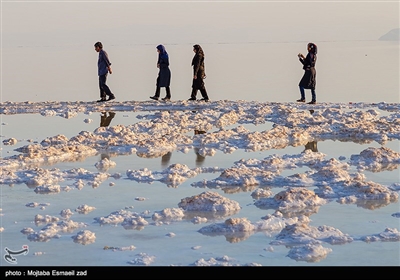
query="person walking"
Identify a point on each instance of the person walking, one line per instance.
(309, 79)
(104, 67)
(198, 74)
(164, 74)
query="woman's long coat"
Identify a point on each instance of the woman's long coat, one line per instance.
(198, 71)
(198, 66)
(309, 79)
(164, 74)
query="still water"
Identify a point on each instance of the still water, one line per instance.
(154, 240)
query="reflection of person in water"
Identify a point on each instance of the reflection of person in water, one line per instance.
(165, 159)
(106, 119)
(199, 158)
(312, 145)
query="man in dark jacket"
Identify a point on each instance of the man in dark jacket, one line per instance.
(104, 67)
(198, 74)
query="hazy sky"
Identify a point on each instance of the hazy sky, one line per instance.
(147, 22)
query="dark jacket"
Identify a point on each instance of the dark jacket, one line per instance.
(103, 63)
(309, 79)
(309, 61)
(198, 66)
(164, 74)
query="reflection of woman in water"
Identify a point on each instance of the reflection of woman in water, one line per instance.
(165, 159)
(312, 145)
(199, 158)
(105, 120)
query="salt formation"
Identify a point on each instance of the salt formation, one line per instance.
(295, 197)
(142, 259)
(376, 159)
(209, 201)
(36, 204)
(39, 219)
(221, 127)
(221, 261)
(52, 230)
(84, 237)
(127, 248)
(128, 219)
(259, 193)
(309, 253)
(48, 189)
(105, 164)
(390, 234)
(171, 234)
(10, 141)
(136, 222)
(84, 209)
(302, 233)
(239, 229)
(168, 215)
(66, 213)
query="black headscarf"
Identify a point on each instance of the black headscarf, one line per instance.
(313, 47)
(199, 50)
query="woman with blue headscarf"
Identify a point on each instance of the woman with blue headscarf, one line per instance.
(164, 74)
(309, 79)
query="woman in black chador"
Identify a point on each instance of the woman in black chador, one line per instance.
(198, 74)
(309, 79)
(164, 74)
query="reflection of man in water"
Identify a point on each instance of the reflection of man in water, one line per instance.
(104, 122)
(199, 158)
(106, 119)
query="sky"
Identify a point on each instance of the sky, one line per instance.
(146, 22)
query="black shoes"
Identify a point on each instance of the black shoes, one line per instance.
(154, 97)
(103, 99)
(303, 100)
(194, 99)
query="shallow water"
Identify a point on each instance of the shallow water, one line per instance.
(153, 240)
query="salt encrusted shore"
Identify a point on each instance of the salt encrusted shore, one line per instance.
(165, 127)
